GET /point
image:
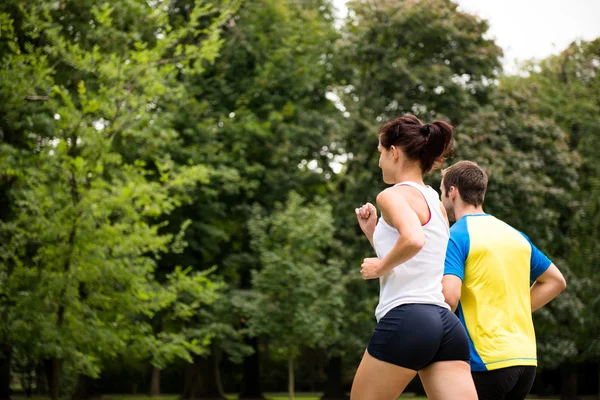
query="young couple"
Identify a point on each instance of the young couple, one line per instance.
(483, 267)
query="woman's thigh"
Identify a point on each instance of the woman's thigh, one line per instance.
(379, 380)
(448, 380)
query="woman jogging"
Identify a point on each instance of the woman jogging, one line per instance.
(416, 331)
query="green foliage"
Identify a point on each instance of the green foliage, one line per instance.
(88, 180)
(533, 186)
(422, 57)
(257, 114)
(396, 57)
(530, 167)
(187, 295)
(174, 177)
(298, 292)
(567, 90)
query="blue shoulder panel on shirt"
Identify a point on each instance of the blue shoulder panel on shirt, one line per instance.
(458, 249)
(476, 362)
(539, 262)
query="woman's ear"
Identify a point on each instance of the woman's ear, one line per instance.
(395, 153)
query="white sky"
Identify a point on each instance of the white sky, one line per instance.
(528, 29)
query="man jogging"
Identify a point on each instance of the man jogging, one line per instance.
(496, 278)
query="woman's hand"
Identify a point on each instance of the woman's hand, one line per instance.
(371, 268)
(367, 219)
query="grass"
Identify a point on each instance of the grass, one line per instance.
(268, 396)
(304, 396)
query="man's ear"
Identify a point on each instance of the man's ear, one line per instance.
(453, 192)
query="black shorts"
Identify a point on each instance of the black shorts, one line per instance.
(511, 383)
(416, 335)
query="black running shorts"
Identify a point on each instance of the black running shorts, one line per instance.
(511, 383)
(414, 336)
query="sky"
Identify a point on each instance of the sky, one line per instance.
(527, 29)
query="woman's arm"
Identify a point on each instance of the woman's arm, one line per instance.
(367, 219)
(399, 213)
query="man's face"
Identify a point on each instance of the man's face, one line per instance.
(447, 201)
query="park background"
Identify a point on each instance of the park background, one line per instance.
(178, 181)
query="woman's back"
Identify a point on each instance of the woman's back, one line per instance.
(418, 280)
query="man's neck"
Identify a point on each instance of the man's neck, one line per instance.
(467, 209)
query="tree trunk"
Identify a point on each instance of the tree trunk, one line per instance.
(56, 373)
(251, 388)
(29, 383)
(190, 380)
(157, 327)
(334, 389)
(569, 382)
(53, 369)
(217, 370)
(291, 378)
(39, 380)
(599, 381)
(54, 365)
(201, 380)
(5, 371)
(82, 389)
(86, 388)
(155, 382)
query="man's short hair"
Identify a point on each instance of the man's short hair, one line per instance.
(470, 180)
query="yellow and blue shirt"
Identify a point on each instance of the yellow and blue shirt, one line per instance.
(497, 265)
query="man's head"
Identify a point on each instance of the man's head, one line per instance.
(463, 183)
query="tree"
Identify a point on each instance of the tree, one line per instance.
(220, 321)
(533, 184)
(395, 57)
(566, 88)
(87, 178)
(530, 165)
(260, 115)
(298, 295)
(177, 333)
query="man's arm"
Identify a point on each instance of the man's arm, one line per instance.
(546, 287)
(451, 287)
(547, 280)
(454, 265)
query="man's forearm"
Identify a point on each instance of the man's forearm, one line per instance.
(543, 293)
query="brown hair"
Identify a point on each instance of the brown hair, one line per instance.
(428, 143)
(470, 180)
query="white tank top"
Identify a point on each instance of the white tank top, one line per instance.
(418, 280)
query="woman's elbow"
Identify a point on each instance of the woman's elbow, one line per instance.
(416, 243)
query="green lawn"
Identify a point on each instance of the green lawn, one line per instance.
(269, 396)
(314, 396)
(282, 396)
